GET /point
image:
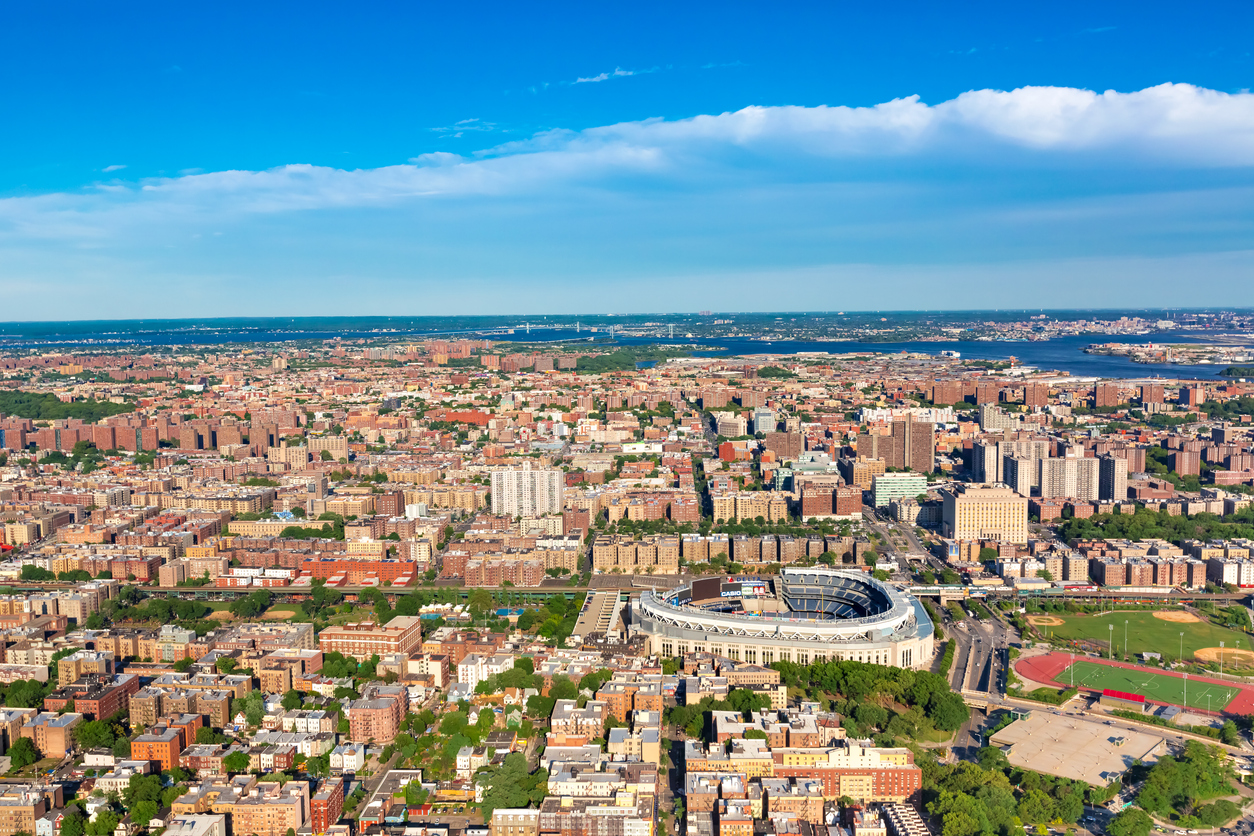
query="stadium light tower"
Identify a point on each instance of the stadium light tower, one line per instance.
(1125, 640)
(1111, 643)
(1181, 645)
(1221, 659)
(1186, 692)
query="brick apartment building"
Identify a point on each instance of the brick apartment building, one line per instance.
(52, 734)
(363, 639)
(327, 805)
(377, 715)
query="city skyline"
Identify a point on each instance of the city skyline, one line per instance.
(593, 162)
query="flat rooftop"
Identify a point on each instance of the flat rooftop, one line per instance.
(1076, 748)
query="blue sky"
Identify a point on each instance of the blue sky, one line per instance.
(224, 159)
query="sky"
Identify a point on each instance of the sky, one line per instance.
(227, 159)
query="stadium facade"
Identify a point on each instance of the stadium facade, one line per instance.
(802, 616)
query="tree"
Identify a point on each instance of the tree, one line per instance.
(512, 786)
(1036, 807)
(594, 680)
(73, 824)
(235, 762)
(988, 554)
(480, 601)
(993, 759)
(122, 749)
(204, 734)
(144, 812)
(292, 700)
(142, 788)
(105, 823)
(95, 734)
(254, 708)
(538, 706)
(947, 711)
(23, 752)
(562, 688)
(1131, 821)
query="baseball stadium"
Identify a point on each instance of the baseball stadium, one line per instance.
(801, 615)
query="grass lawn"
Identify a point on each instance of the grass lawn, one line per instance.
(1155, 686)
(1146, 634)
(936, 736)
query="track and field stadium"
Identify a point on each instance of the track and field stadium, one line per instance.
(1160, 687)
(801, 615)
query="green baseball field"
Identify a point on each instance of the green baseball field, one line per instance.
(1152, 632)
(1154, 686)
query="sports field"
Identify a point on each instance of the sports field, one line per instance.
(1158, 687)
(1152, 632)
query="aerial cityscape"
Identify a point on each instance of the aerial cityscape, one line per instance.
(686, 421)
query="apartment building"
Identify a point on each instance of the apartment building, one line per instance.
(363, 639)
(658, 554)
(269, 809)
(475, 668)
(527, 491)
(1070, 478)
(52, 734)
(327, 805)
(910, 445)
(376, 717)
(984, 512)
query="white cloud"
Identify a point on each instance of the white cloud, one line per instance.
(619, 72)
(1175, 125)
(113, 168)
(989, 175)
(463, 125)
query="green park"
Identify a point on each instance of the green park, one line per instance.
(1173, 633)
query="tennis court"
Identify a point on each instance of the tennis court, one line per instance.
(1156, 687)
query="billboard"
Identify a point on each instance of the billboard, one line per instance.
(706, 588)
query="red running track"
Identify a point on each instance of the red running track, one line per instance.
(1048, 668)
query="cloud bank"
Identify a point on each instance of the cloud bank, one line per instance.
(1021, 178)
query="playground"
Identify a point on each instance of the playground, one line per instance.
(1157, 686)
